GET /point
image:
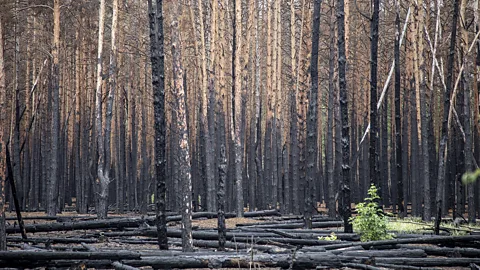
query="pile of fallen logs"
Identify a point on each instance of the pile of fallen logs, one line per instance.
(274, 241)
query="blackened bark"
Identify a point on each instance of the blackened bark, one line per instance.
(312, 116)
(398, 127)
(442, 153)
(294, 151)
(342, 61)
(158, 82)
(373, 96)
(331, 204)
(383, 161)
(222, 177)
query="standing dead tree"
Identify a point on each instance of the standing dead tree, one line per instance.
(184, 149)
(3, 236)
(157, 58)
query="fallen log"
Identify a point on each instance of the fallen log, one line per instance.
(51, 240)
(71, 264)
(81, 225)
(26, 255)
(293, 261)
(410, 253)
(325, 224)
(423, 240)
(120, 223)
(445, 251)
(405, 267)
(429, 262)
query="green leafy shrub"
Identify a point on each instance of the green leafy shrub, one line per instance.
(370, 222)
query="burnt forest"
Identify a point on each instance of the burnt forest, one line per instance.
(239, 134)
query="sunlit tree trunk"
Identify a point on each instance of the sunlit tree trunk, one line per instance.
(102, 179)
(184, 150)
(237, 91)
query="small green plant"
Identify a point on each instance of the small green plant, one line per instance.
(370, 222)
(331, 237)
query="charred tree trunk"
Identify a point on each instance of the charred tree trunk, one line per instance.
(158, 83)
(312, 116)
(373, 95)
(331, 204)
(442, 153)
(342, 62)
(398, 127)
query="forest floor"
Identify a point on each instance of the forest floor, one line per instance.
(259, 242)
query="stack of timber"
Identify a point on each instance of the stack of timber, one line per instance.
(269, 241)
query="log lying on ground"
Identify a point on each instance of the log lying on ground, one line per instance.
(51, 240)
(325, 224)
(27, 255)
(422, 240)
(410, 253)
(293, 260)
(300, 261)
(445, 251)
(81, 225)
(119, 223)
(404, 267)
(279, 248)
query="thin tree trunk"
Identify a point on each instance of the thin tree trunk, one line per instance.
(312, 116)
(398, 127)
(342, 61)
(207, 137)
(331, 204)
(237, 112)
(3, 130)
(54, 163)
(102, 180)
(184, 150)
(467, 111)
(222, 171)
(442, 153)
(157, 57)
(373, 95)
